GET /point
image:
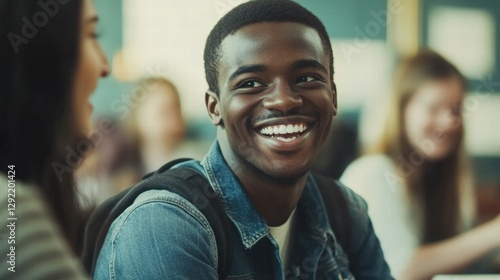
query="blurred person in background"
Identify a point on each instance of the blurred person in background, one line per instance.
(157, 126)
(152, 134)
(340, 150)
(50, 62)
(110, 167)
(417, 180)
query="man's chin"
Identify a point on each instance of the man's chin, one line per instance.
(287, 174)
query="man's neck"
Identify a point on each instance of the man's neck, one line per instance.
(274, 199)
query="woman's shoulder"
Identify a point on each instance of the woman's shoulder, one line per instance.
(375, 159)
(19, 191)
(35, 235)
(370, 173)
(371, 163)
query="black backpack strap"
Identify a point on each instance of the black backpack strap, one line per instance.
(186, 182)
(166, 167)
(96, 230)
(208, 202)
(337, 210)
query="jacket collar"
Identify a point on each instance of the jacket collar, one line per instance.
(250, 225)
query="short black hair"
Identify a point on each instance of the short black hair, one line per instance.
(254, 12)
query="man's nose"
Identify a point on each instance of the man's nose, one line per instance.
(282, 98)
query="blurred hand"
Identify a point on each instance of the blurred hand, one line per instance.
(496, 222)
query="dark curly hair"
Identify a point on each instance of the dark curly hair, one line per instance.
(255, 12)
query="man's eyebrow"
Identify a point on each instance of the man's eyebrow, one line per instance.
(309, 63)
(247, 69)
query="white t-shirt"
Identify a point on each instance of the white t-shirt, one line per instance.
(282, 235)
(376, 179)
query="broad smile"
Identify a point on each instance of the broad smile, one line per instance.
(284, 132)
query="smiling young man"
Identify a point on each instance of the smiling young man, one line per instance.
(269, 66)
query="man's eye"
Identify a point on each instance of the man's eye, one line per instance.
(250, 84)
(307, 78)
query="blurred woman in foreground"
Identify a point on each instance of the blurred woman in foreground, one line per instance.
(50, 63)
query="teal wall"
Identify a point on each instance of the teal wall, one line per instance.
(344, 19)
(110, 28)
(492, 6)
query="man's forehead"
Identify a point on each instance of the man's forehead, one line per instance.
(256, 35)
(280, 46)
(275, 28)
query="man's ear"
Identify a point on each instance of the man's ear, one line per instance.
(334, 92)
(212, 103)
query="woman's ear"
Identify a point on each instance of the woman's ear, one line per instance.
(212, 103)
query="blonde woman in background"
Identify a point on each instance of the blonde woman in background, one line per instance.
(157, 126)
(156, 122)
(417, 181)
(153, 134)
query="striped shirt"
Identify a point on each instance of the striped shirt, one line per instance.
(31, 244)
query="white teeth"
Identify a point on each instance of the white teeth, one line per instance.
(283, 129)
(286, 139)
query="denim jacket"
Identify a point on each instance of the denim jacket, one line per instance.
(163, 236)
